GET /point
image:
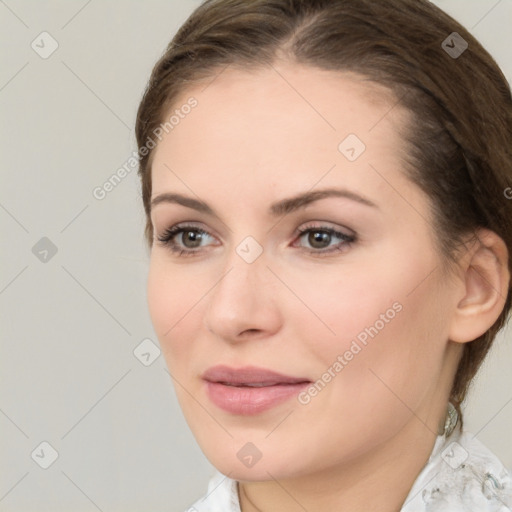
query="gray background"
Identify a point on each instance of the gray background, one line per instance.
(70, 323)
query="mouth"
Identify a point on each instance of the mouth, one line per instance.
(254, 384)
(250, 390)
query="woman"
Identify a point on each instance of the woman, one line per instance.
(325, 189)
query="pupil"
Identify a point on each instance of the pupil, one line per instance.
(319, 239)
(192, 239)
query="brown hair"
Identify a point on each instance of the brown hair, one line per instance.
(459, 140)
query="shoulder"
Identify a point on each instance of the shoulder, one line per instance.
(221, 496)
(462, 474)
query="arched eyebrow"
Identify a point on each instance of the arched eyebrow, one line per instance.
(282, 207)
(292, 204)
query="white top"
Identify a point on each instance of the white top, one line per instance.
(461, 475)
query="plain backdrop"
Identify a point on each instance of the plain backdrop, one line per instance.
(73, 272)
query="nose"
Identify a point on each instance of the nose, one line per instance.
(243, 304)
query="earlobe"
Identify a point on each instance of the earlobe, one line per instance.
(485, 283)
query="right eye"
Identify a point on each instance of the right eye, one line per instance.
(184, 240)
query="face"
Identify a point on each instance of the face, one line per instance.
(294, 283)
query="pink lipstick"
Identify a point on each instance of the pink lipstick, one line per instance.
(250, 390)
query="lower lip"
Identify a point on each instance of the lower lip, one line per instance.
(247, 400)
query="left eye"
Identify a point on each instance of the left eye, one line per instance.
(321, 238)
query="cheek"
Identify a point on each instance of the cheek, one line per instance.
(173, 301)
(377, 325)
(345, 304)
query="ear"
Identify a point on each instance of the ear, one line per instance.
(484, 287)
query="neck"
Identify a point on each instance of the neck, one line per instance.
(380, 480)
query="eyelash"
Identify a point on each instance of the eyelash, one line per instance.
(168, 236)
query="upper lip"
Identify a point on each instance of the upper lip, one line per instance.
(248, 375)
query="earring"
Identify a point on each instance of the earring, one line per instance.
(452, 418)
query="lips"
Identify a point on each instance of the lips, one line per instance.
(250, 390)
(249, 376)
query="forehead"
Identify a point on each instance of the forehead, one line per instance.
(284, 125)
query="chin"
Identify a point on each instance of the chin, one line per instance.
(244, 460)
(261, 470)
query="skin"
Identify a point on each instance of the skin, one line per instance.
(257, 138)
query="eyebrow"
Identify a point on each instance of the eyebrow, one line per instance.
(283, 207)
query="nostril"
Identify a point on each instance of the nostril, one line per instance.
(249, 332)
